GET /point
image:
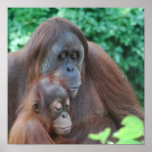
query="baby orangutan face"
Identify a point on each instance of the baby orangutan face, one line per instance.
(52, 104)
(62, 122)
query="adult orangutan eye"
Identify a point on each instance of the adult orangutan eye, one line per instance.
(36, 107)
(67, 103)
(75, 55)
(67, 106)
(63, 55)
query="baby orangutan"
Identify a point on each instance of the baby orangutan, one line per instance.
(44, 112)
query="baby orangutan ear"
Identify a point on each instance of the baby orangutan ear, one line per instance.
(36, 106)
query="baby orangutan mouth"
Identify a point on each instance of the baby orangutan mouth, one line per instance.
(63, 131)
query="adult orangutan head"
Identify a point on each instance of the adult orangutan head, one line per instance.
(60, 48)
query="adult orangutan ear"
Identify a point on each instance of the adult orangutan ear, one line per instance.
(36, 106)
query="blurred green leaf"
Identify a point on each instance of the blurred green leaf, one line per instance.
(133, 129)
(102, 136)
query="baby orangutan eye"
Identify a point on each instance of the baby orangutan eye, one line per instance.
(58, 106)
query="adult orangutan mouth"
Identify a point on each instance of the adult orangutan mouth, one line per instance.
(74, 88)
(74, 91)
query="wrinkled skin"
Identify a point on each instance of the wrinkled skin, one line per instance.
(65, 58)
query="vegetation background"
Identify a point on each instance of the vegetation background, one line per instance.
(120, 31)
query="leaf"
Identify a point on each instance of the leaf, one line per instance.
(102, 136)
(94, 136)
(133, 129)
(110, 142)
(128, 142)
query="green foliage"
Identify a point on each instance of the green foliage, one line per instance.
(133, 128)
(102, 136)
(120, 31)
(22, 22)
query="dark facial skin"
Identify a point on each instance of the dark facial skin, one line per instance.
(52, 102)
(65, 58)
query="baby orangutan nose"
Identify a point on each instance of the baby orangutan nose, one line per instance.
(64, 115)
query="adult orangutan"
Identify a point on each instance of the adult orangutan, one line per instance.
(44, 114)
(102, 97)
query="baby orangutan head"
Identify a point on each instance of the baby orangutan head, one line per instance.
(52, 105)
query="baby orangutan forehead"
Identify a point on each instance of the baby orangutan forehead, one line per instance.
(56, 91)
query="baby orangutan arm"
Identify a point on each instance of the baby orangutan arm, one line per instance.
(29, 130)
